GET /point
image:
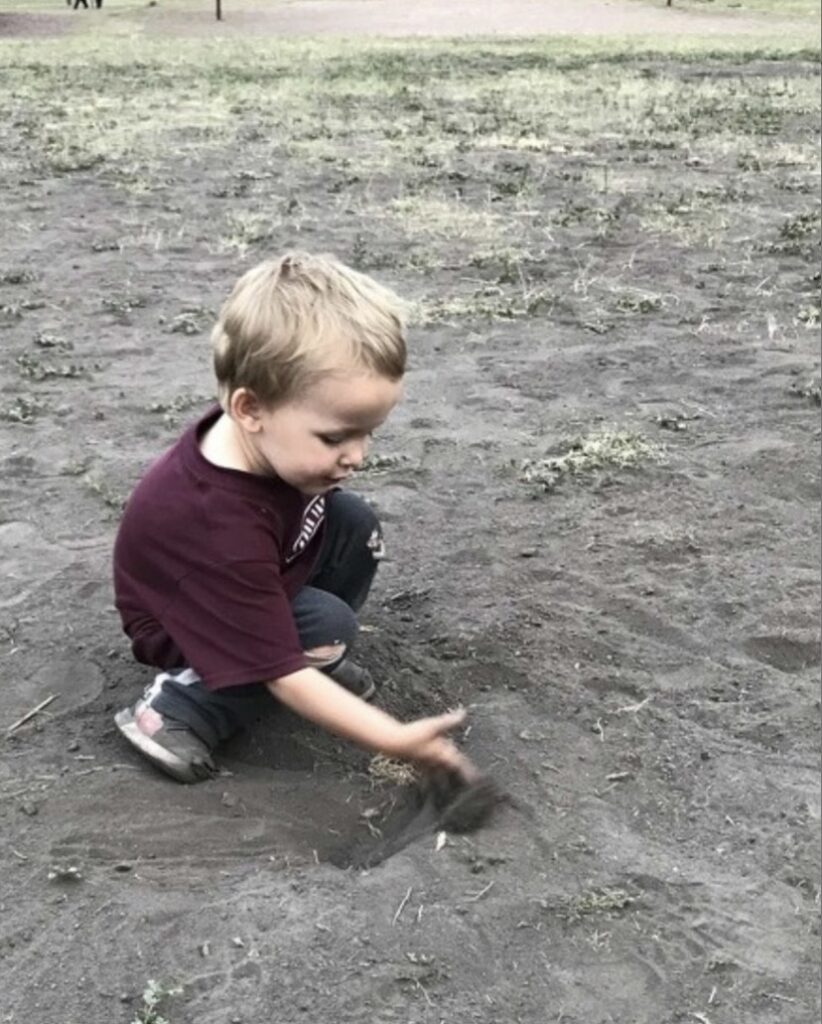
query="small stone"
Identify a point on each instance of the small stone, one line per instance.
(29, 808)
(123, 868)
(227, 800)
(73, 746)
(63, 873)
(238, 942)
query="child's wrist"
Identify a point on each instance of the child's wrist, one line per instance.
(393, 743)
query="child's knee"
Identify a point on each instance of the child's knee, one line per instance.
(334, 625)
(326, 654)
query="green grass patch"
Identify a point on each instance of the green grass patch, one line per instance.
(154, 996)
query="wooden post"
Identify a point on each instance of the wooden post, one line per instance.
(219, 10)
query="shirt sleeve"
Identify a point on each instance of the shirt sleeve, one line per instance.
(234, 625)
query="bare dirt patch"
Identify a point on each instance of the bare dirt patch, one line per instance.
(364, 18)
(33, 25)
(384, 18)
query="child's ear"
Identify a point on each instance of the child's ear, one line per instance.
(246, 410)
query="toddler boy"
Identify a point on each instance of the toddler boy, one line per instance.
(240, 563)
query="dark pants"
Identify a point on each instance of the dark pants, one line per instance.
(324, 612)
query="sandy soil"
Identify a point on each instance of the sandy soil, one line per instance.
(639, 650)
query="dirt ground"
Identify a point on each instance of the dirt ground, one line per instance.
(480, 17)
(638, 646)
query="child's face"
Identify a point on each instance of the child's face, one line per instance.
(321, 438)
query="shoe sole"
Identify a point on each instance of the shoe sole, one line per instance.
(161, 758)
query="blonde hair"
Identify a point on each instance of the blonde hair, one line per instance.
(291, 320)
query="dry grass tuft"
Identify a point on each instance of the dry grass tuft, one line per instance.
(599, 901)
(605, 449)
(385, 770)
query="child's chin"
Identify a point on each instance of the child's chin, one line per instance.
(311, 489)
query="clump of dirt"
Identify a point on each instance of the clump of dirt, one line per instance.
(462, 806)
(438, 802)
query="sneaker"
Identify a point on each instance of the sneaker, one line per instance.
(169, 745)
(355, 679)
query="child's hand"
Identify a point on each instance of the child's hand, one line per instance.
(425, 742)
(319, 699)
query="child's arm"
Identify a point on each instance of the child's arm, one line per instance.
(318, 698)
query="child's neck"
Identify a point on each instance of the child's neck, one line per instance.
(222, 446)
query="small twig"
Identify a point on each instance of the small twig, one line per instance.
(473, 897)
(18, 855)
(598, 728)
(631, 709)
(551, 767)
(617, 776)
(30, 714)
(403, 904)
(702, 1018)
(712, 996)
(424, 991)
(107, 768)
(18, 792)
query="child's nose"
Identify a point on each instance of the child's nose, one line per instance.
(354, 454)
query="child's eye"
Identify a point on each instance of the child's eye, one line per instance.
(334, 440)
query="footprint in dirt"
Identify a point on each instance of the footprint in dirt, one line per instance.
(783, 653)
(723, 926)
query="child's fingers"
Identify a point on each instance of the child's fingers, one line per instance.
(468, 770)
(441, 754)
(442, 724)
(462, 765)
(426, 742)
